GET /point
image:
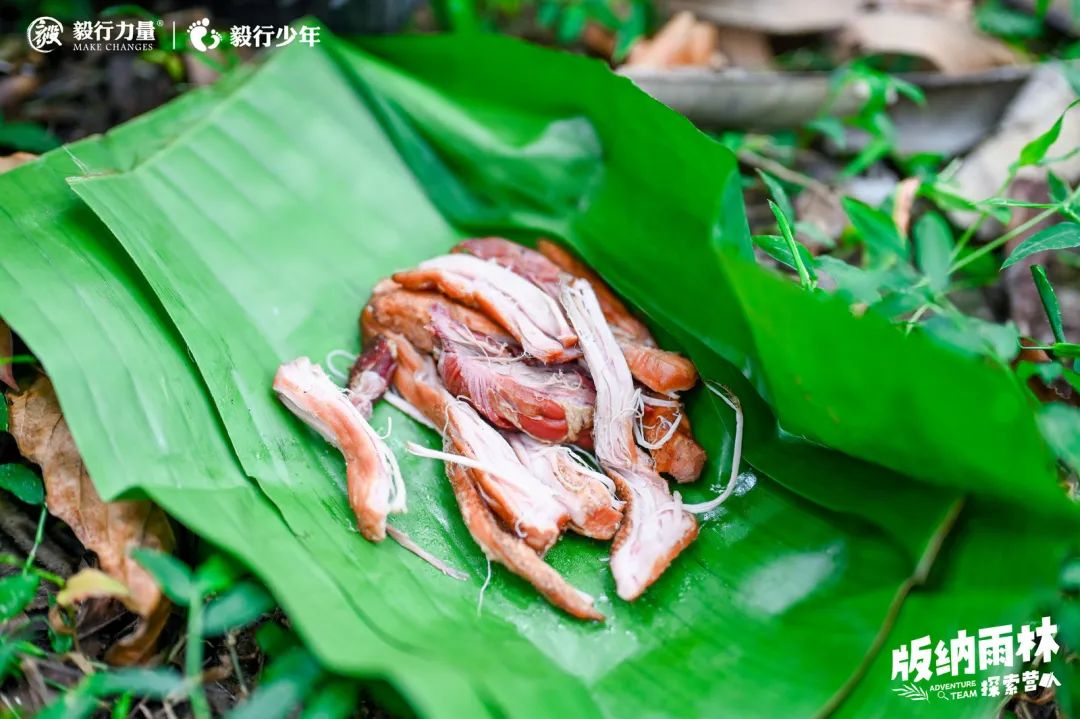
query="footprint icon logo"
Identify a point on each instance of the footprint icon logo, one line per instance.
(198, 32)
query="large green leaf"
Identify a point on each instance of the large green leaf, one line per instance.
(235, 273)
(849, 382)
(140, 413)
(974, 586)
(260, 222)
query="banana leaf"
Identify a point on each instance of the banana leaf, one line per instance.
(257, 217)
(139, 411)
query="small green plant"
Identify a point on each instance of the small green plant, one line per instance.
(567, 20)
(910, 276)
(18, 590)
(871, 118)
(218, 602)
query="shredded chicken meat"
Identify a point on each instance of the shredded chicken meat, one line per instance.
(417, 382)
(408, 313)
(519, 359)
(588, 495)
(532, 317)
(666, 432)
(550, 402)
(525, 503)
(370, 374)
(658, 370)
(374, 483)
(655, 528)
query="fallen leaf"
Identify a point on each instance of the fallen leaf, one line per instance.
(682, 41)
(89, 583)
(952, 46)
(598, 39)
(820, 210)
(665, 47)
(6, 344)
(749, 49)
(109, 529)
(902, 202)
(777, 17)
(10, 162)
(701, 44)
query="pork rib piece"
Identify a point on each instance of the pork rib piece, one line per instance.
(587, 494)
(532, 317)
(370, 374)
(416, 381)
(655, 528)
(551, 403)
(375, 487)
(525, 503)
(408, 313)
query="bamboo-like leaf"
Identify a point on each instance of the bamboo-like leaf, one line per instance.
(1035, 150)
(876, 228)
(1061, 236)
(933, 249)
(241, 605)
(1049, 302)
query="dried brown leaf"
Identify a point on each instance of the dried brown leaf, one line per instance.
(89, 583)
(682, 41)
(952, 46)
(903, 202)
(746, 48)
(109, 529)
(777, 17)
(10, 162)
(6, 343)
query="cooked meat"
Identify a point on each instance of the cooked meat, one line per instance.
(370, 374)
(375, 487)
(674, 451)
(625, 325)
(525, 503)
(587, 494)
(519, 259)
(654, 528)
(528, 506)
(549, 402)
(532, 317)
(408, 313)
(506, 549)
(416, 381)
(659, 370)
